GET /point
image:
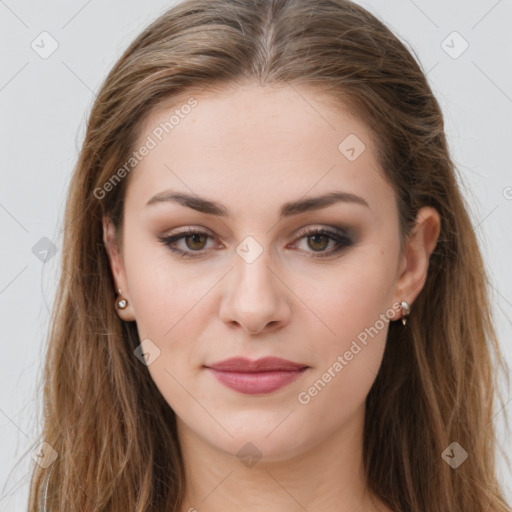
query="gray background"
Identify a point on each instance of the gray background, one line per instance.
(43, 107)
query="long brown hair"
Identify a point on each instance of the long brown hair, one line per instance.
(114, 434)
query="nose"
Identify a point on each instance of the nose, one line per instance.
(255, 297)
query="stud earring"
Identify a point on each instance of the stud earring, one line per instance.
(406, 309)
(121, 303)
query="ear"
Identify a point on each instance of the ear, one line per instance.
(117, 268)
(420, 244)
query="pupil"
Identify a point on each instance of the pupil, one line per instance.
(195, 237)
(316, 237)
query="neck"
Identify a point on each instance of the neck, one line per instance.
(325, 476)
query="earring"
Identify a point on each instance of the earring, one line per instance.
(121, 303)
(405, 311)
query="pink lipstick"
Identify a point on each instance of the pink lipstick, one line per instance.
(256, 377)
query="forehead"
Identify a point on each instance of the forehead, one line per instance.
(254, 145)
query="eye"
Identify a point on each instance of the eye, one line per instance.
(194, 240)
(318, 240)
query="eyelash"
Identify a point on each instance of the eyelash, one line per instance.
(343, 241)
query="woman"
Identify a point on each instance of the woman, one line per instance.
(272, 297)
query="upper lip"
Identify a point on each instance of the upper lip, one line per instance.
(242, 364)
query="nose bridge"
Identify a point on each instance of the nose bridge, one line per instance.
(254, 297)
(252, 275)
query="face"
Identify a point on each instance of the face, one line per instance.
(252, 264)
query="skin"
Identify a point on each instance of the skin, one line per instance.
(253, 149)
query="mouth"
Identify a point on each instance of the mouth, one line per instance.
(261, 376)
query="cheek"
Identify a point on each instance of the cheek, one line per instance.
(351, 296)
(357, 311)
(170, 309)
(160, 295)
(354, 306)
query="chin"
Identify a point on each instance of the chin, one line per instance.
(256, 444)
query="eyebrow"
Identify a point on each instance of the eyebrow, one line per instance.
(287, 209)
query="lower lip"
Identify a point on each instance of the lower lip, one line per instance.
(256, 383)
